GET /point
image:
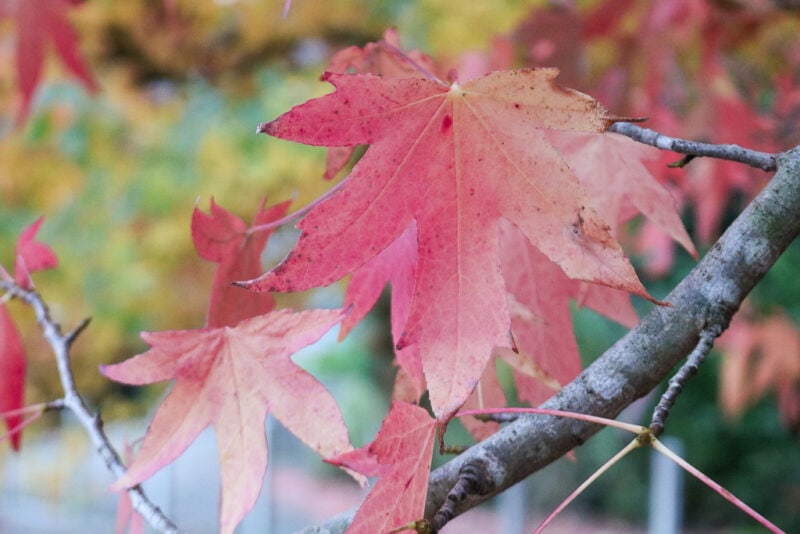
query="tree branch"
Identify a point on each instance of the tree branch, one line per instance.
(707, 298)
(61, 343)
(754, 158)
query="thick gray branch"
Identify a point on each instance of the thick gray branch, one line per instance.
(60, 343)
(707, 298)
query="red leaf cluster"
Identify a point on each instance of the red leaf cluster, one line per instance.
(38, 23)
(761, 357)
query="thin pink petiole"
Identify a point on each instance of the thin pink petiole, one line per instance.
(22, 424)
(299, 213)
(605, 467)
(663, 449)
(33, 408)
(634, 429)
(425, 72)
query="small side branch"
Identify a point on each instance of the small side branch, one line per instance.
(676, 383)
(473, 479)
(754, 158)
(60, 343)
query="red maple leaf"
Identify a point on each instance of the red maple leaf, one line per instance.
(455, 160)
(231, 377)
(761, 357)
(32, 256)
(12, 374)
(39, 22)
(401, 456)
(712, 182)
(396, 265)
(612, 170)
(546, 354)
(225, 239)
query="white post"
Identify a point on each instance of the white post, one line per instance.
(666, 491)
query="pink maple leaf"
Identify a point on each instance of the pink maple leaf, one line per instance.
(225, 239)
(12, 375)
(401, 456)
(231, 377)
(32, 256)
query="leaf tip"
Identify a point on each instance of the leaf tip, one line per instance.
(244, 284)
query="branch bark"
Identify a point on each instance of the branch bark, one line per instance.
(707, 298)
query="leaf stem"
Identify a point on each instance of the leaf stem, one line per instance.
(663, 449)
(635, 443)
(299, 213)
(425, 72)
(16, 429)
(635, 429)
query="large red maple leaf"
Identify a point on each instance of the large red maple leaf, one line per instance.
(455, 159)
(231, 377)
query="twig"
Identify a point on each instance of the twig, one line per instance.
(60, 343)
(754, 158)
(473, 479)
(676, 383)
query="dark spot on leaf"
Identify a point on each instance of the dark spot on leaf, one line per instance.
(446, 123)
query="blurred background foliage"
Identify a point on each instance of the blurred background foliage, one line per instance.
(183, 85)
